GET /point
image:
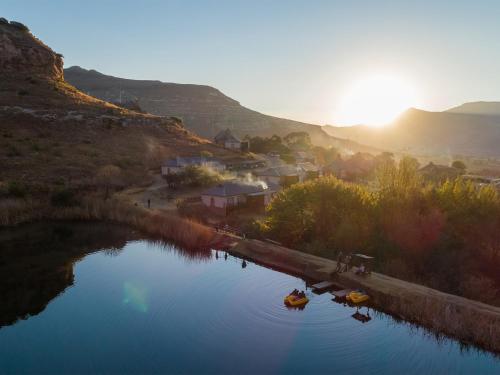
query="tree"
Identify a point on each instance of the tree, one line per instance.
(460, 165)
(299, 140)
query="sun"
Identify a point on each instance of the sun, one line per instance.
(375, 101)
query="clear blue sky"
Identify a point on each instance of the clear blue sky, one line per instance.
(289, 58)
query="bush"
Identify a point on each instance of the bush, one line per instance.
(19, 25)
(16, 189)
(63, 198)
(194, 176)
(12, 151)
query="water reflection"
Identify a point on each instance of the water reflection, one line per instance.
(146, 307)
(37, 262)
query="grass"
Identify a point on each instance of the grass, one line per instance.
(183, 232)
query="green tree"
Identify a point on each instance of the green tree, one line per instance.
(460, 165)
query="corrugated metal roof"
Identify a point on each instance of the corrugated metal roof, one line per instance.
(232, 188)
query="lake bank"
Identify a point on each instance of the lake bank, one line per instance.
(184, 232)
(466, 320)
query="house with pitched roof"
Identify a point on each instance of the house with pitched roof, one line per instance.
(228, 140)
(229, 195)
(282, 175)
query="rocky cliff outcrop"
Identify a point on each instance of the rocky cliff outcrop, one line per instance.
(23, 54)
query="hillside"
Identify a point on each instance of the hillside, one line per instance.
(203, 109)
(431, 133)
(478, 108)
(53, 134)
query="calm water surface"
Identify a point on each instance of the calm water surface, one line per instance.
(144, 307)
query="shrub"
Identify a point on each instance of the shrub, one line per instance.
(22, 93)
(16, 189)
(63, 198)
(19, 25)
(13, 151)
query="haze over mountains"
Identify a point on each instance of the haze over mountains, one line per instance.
(472, 129)
(203, 109)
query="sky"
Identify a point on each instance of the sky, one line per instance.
(293, 59)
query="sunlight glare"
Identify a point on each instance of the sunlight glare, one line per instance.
(375, 101)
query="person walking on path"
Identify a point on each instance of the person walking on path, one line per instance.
(149, 203)
(347, 262)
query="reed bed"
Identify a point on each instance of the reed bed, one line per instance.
(183, 232)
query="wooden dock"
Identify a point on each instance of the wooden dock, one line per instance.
(341, 293)
(322, 286)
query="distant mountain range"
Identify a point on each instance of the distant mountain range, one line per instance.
(203, 109)
(478, 108)
(472, 129)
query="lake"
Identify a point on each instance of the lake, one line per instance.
(98, 298)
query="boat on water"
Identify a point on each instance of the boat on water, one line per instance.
(296, 299)
(357, 296)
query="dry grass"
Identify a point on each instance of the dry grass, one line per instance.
(183, 232)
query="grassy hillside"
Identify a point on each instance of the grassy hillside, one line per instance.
(52, 134)
(203, 109)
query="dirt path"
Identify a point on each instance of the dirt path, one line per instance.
(160, 196)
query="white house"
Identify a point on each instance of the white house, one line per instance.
(230, 194)
(226, 139)
(176, 165)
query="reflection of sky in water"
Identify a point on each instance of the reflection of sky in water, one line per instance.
(136, 296)
(151, 310)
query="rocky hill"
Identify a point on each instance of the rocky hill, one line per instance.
(431, 133)
(203, 109)
(53, 134)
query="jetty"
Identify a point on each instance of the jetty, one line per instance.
(466, 320)
(323, 286)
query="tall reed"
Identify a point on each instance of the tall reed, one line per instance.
(184, 232)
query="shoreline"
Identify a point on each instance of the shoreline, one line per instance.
(465, 320)
(468, 321)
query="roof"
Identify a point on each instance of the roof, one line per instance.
(363, 256)
(226, 136)
(279, 171)
(431, 167)
(232, 188)
(308, 167)
(303, 155)
(193, 160)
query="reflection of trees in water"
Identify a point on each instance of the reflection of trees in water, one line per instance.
(193, 255)
(36, 262)
(441, 339)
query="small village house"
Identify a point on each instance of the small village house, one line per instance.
(228, 140)
(308, 171)
(230, 195)
(439, 173)
(304, 157)
(282, 175)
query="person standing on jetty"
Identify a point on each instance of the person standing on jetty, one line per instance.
(340, 255)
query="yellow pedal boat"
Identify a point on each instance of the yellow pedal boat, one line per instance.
(357, 297)
(292, 300)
